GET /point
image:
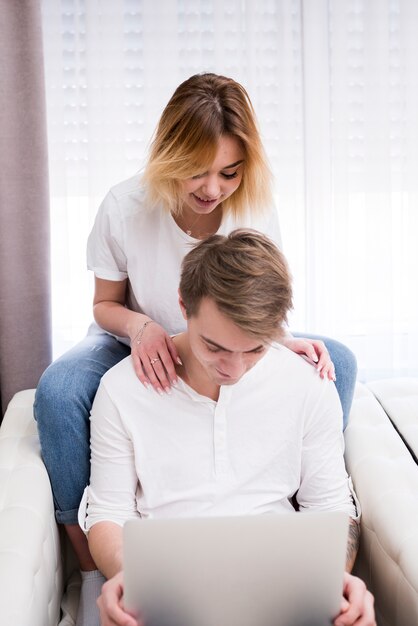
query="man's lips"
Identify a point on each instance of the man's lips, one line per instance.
(223, 374)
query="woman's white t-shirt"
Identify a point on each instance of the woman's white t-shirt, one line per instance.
(130, 240)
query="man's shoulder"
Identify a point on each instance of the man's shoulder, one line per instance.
(120, 377)
(281, 358)
(284, 373)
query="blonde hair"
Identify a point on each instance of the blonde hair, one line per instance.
(203, 109)
(247, 277)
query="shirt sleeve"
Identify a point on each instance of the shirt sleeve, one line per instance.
(111, 495)
(105, 246)
(272, 229)
(325, 484)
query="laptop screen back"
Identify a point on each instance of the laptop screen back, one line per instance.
(267, 570)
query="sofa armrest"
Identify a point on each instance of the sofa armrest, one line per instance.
(31, 577)
(386, 481)
(399, 399)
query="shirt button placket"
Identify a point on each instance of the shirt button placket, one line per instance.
(220, 442)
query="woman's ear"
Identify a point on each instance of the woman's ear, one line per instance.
(182, 306)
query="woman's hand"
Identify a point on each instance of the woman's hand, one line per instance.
(314, 351)
(154, 356)
(110, 604)
(357, 607)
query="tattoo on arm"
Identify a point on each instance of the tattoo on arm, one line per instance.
(352, 544)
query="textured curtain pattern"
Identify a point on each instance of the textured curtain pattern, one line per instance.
(24, 205)
(335, 87)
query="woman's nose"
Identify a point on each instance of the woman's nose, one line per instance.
(211, 187)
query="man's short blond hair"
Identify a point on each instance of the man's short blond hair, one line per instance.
(247, 277)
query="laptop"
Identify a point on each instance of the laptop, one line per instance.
(262, 570)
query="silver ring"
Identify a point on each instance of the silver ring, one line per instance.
(152, 361)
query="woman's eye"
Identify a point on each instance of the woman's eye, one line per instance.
(230, 176)
(212, 349)
(197, 176)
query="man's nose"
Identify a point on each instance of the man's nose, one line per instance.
(235, 365)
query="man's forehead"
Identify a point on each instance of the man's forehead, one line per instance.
(217, 328)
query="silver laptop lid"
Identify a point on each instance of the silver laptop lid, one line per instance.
(267, 570)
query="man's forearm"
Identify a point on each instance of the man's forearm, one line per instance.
(105, 543)
(352, 544)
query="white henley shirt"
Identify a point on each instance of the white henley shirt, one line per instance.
(275, 433)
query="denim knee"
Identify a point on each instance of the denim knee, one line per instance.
(62, 410)
(345, 364)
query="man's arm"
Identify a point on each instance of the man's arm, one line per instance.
(352, 544)
(105, 544)
(324, 481)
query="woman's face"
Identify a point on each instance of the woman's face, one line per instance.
(206, 190)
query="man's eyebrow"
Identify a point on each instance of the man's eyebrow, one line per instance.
(228, 167)
(217, 345)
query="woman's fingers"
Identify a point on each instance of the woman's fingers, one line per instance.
(324, 365)
(156, 373)
(139, 371)
(154, 358)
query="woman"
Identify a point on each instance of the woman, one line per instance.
(206, 173)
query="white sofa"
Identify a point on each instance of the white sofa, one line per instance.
(38, 578)
(35, 565)
(381, 450)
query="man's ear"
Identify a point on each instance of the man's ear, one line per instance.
(182, 306)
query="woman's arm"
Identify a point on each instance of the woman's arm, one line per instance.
(109, 309)
(153, 350)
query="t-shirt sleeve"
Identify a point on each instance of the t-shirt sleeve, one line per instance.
(272, 229)
(325, 484)
(105, 245)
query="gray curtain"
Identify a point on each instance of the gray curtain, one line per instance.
(25, 320)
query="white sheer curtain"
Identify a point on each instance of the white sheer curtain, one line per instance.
(335, 87)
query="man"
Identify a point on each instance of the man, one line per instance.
(250, 428)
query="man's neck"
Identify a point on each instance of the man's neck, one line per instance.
(192, 372)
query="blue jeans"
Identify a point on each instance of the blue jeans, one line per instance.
(62, 406)
(64, 398)
(345, 370)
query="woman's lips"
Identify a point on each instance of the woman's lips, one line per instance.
(205, 203)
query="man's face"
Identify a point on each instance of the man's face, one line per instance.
(224, 351)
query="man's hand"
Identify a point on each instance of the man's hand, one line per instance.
(110, 605)
(357, 607)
